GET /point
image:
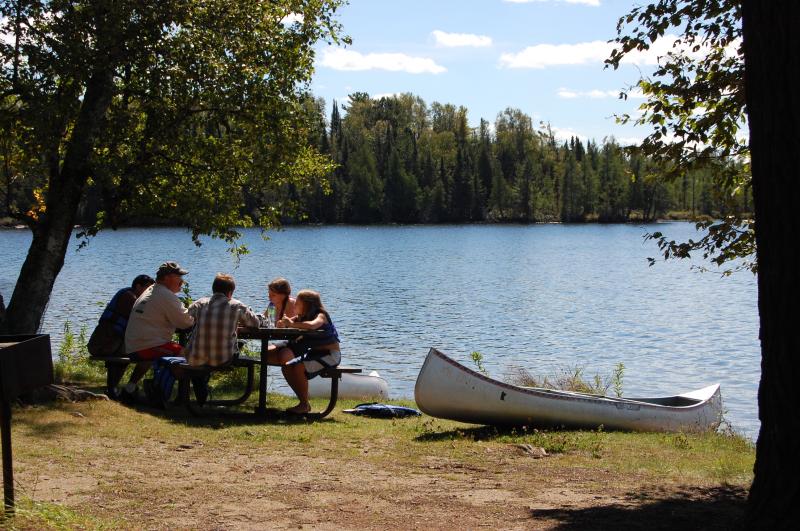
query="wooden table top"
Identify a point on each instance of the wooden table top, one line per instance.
(275, 333)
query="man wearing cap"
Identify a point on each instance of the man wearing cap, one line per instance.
(157, 313)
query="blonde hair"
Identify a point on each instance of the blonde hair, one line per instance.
(312, 304)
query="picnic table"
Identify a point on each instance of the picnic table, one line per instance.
(265, 335)
(184, 373)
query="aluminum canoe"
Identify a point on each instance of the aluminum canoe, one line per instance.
(446, 389)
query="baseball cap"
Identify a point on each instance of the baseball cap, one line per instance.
(168, 268)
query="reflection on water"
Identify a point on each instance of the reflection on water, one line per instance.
(542, 297)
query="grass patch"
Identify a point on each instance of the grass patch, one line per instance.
(86, 465)
(73, 362)
(112, 452)
(37, 515)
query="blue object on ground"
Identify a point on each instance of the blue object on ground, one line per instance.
(384, 411)
(160, 389)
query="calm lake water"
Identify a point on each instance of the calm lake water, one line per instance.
(541, 297)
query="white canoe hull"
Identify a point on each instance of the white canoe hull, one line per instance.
(351, 386)
(447, 389)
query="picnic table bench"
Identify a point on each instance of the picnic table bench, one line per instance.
(115, 369)
(184, 373)
(116, 366)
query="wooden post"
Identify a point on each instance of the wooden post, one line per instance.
(262, 379)
(26, 364)
(8, 469)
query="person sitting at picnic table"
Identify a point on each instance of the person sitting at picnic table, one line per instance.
(212, 342)
(281, 303)
(108, 338)
(157, 313)
(306, 358)
(213, 339)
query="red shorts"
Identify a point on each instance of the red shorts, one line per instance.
(161, 351)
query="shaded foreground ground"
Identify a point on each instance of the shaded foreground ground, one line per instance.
(102, 465)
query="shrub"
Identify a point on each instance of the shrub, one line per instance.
(72, 361)
(572, 379)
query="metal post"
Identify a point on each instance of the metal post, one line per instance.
(8, 470)
(262, 379)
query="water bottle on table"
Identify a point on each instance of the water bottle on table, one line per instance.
(269, 321)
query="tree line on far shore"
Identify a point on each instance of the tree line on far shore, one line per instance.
(400, 160)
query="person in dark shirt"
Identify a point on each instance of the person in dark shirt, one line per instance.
(306, 358)
(108, 338)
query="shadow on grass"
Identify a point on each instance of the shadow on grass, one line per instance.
(691, 508)
(218, 417)
(224, 417)
(37, 428)
(479, 433)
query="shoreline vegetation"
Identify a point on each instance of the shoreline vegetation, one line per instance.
(80, 465)
(8, 223)
(400, 160)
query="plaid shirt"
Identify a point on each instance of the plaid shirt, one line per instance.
(213, 340)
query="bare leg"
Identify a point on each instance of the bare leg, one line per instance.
(128, 391)
(295, 376)
(139, 371)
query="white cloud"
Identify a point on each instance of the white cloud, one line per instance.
(291, 18)
(636, 94)
(593, 94)
(452, 40)
(567, 94)
(544, 55)
(629, 141)
(592, 52)
(7, 38)
(349, 60)
(387, 95)
(594, 3)
(565, 133)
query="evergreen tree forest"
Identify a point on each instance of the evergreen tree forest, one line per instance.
(399, 160)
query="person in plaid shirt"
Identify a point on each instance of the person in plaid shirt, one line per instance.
(213, 340)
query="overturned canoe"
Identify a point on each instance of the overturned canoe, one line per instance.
(351, 386)
(447, 389)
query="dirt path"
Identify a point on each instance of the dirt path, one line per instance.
(146, 475)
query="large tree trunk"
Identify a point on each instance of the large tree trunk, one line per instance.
(772, 61)
(52, 235)
(2, 312)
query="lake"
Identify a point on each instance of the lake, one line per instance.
(546, 298)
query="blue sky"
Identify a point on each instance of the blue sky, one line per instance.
(544, 57)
